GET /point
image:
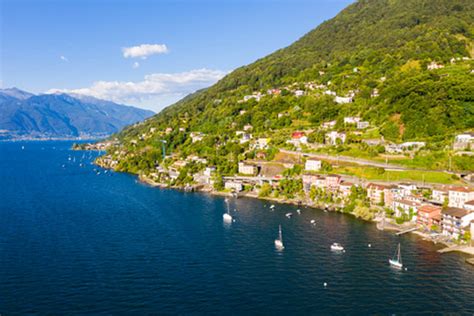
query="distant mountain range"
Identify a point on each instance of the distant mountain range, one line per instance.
(25, 115)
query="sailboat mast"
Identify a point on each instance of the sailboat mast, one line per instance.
(279, 233)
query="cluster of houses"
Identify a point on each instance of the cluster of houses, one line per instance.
(308, 86)
(450, 209)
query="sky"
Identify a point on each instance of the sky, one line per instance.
(144, 53)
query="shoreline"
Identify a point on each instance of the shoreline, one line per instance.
(447, 246)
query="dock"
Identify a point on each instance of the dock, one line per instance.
(407, 231)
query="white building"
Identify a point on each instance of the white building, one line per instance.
(246, 169)
(299, 93)
(209, 171)
(362, 124)
(439, 195)
(233, 185)
(329, 125)
(460, 195)
(351, 120)
(333, 137)
(434, 65)
(463, 141)
(262, 143)
(312, 165)
(404, 207)
(196, 136)
(456, 222)
(343, 100)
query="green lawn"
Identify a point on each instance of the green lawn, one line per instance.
(376, 174)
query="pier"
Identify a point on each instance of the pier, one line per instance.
(407, 231)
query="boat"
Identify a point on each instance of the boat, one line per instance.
(337, 247)
(289, 215)
(298, 211)
(313, 221)
(396, 261)
(279, 240)
(227, 217)
(272, 206)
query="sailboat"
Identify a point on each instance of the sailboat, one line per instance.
(227, 217)
(279, 240)
(396, 261)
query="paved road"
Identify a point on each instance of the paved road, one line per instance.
(358, 161)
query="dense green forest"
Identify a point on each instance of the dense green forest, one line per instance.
(378, 51)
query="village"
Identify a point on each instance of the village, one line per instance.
(443, 213)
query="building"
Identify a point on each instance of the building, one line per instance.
(434, 65)
(310, 180)
(196, 136)
(345, 188)
(428, 215)
(209, 171)
(439, 195)
(362, 124)
(333, 138)
(299, 93)
(234, 186)
(245, 137)
(248, 127)
(333, 181)
(312, 165)
(469, 206)
(298, 138)
(328, 125)
(351, 120)
(262, 143)
(246, 169)
(460, 195)
(342, 100)
(378, 193)
(456, 222)
(375, 93)
(464, 141)
(406, 207)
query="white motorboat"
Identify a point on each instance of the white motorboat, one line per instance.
(279, 241)
(289, 215)
(227, 217)
(337, 247)
(298, 211)
(396, 261)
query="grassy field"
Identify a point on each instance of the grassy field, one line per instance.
(376, 174)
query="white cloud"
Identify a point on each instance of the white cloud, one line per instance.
(155, 91)
(136, 65)
(144, 50)
(63, 58)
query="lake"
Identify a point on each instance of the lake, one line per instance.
(73, 241)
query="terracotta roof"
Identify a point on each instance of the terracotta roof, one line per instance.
(407, 202)
(428, 208)
(454, 211)
(470, 202)
(462, 189)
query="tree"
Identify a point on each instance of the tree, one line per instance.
(265, 190)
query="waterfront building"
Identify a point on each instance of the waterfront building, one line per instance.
(460, 195)
(456, 222)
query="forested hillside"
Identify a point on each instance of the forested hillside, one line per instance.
(403, 66)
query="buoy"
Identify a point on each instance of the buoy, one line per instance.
(370, 245)
(406, 269)
(325, 284)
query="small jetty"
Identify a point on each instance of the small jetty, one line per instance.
(407, 231)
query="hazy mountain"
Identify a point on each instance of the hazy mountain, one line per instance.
(24, 115)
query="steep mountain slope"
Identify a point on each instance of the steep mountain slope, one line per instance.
(60, 115)
(404, 65)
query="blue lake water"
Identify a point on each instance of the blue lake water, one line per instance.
(74, 242)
